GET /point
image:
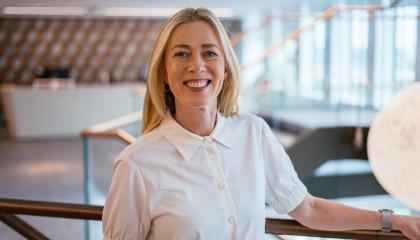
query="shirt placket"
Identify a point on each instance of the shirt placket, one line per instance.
(215, 162)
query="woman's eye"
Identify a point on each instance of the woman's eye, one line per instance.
(210, 54)
(181, 54)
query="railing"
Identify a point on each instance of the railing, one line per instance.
(9, 207)
(111, 129)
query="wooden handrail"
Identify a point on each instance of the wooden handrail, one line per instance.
(371, 8)
(22, 227)
(90, 212)
(116, 123)
(292, 227)
(110, 129)
(116, 133)
(51, 209)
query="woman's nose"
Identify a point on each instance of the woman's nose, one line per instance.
(196, 64)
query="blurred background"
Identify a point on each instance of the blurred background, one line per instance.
(72, 80)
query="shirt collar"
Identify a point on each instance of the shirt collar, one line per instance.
(221, 132)
(187, 142)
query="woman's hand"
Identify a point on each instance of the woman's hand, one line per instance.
(408, 225)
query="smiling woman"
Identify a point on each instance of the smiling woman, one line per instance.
(195, 70)
(203, 171)
(180, 34)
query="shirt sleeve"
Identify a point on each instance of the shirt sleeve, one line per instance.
(284, 190)
(125, 214)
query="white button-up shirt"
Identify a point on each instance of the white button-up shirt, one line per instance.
(173, 184)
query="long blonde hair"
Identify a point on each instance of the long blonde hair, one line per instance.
(157, 102)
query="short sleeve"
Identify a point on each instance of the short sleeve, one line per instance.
(125, 214)
(284, 190)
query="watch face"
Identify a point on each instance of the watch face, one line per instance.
(386, 220)
(386, 210)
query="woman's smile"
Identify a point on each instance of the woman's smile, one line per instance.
(197, 84)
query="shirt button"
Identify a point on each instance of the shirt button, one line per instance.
(231, 220)
(208, 140)
(210, 150)
(221, 186)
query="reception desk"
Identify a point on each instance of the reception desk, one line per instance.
(33, 113)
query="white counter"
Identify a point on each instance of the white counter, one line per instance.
(45, 113)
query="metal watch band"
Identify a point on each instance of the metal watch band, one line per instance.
(386, 219)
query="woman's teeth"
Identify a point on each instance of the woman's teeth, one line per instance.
(197, 84)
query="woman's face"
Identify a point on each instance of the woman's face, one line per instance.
(195, 66)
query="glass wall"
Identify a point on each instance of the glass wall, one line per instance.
(353, 57)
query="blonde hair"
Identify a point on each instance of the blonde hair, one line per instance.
(157, 102)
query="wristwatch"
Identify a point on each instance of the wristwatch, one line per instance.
(386, 219)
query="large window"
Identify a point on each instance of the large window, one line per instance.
(355, 57)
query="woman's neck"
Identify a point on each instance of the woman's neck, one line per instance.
(200, 121)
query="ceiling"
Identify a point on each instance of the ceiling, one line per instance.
(239, 7)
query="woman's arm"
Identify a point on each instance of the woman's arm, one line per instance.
(322, 214)
(125, 215)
